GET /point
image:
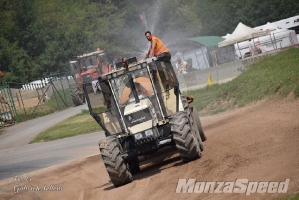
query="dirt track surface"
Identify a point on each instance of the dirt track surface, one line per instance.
(259, 143)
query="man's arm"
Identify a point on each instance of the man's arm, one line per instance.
(151, 51)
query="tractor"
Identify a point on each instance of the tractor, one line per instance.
(141, 109)
(86, 69)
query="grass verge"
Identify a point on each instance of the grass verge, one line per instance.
(76, 125)
(59, 100)
(272, 75)
(290, 197)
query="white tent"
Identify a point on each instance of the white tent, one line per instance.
(270, 26)
(276, 39)
(226, 36)
(242, 33)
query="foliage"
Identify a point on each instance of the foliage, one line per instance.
(38, 38)
(221, 17)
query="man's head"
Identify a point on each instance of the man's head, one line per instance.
(148, 35)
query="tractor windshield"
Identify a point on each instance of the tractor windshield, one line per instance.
(89, 63)
(123, 89)
(90, 66)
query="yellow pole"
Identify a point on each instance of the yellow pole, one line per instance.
(210, 80)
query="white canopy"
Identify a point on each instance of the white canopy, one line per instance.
(242, 33)
(226, 36)
(270, 26)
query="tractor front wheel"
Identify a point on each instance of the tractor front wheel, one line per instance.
(185, 138)
(115, 165)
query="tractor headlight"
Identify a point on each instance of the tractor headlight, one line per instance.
(149, 133)
(138, 136)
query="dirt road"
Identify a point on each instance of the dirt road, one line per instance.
(259, 143)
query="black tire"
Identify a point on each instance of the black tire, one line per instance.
(198, 123)
(184, 102)
(134, 166)
(184, 137)
(114, 162)
(196, 129)
(77, 94)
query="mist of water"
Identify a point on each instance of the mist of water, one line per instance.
(155, 16)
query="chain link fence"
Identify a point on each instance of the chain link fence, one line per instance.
(38, 98)
(8, 114)
(276, 40)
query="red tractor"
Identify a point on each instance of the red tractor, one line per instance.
(86, 69)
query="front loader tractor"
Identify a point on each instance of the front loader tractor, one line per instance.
(143, 112)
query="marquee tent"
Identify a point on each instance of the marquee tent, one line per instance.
(226, 36)
(242, 33)
(270, 26)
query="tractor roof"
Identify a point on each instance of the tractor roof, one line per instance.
(91, 54)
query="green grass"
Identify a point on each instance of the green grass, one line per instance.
(51, 106)
(290, 197)
(39, 111)
(1, 131)
(203, 97)
(76, 125)
(272, 75)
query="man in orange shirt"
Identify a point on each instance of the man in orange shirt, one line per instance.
(157, 48)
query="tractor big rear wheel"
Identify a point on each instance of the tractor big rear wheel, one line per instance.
(114, 162)
(77, 94)
(185, 139)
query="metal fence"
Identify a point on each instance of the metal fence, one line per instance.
(40, 97)
(222, 55)
(278, 39)
(8, 114)
(198, 58)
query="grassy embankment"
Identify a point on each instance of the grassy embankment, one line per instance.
(290, 197)
(274, 75)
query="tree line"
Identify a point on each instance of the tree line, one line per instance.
(39, 37)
